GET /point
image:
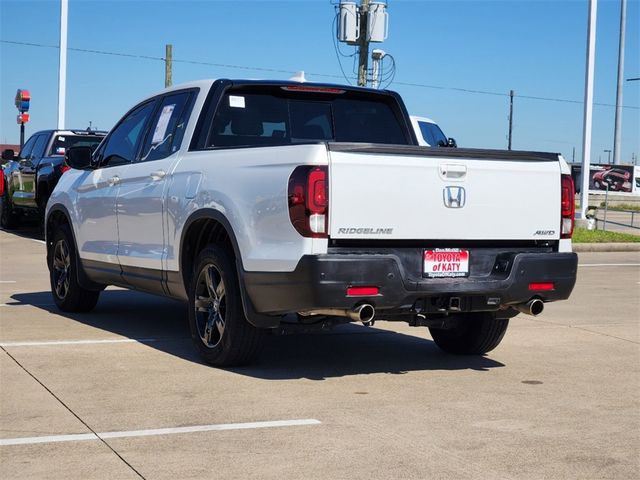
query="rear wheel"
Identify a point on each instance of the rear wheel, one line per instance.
(219, 329)
(8, 218)
(475, 334)
(68, 294)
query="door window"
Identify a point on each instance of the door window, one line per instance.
(167, 127)
(438, 137)
(39, 146)
(122, 145)
(27, 147)
(427, 134)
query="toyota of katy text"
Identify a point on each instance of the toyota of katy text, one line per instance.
(271, 206)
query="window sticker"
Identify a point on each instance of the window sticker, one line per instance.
(62, 139)
(236, 101)
(163, 123)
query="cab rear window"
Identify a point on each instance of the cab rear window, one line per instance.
(62, 143)
(274, 116)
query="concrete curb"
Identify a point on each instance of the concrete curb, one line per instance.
(606, 247)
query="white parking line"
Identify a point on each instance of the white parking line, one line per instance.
(609, 264)
(76, 342)
(27, 304)
(7, 281)
(158, 431)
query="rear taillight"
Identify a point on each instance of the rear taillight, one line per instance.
(309, 201)
(568, 206)
(64, 168)
(1, 182)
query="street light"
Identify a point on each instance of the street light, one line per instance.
(609, 155)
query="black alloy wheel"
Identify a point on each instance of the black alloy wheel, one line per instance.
(67, 293)
(61, 266)
(210, 306)
(219, 328)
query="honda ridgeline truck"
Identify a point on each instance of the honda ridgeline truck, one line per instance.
(269, 205)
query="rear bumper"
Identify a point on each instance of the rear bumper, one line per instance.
(497, 279)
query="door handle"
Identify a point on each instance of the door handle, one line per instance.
(115, 180)
(158, 175)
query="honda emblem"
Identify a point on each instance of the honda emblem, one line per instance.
(454, 197)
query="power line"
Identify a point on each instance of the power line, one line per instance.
(275, 70)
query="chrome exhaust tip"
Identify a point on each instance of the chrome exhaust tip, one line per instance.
(532, 307)
(365, 313)
(362, 313)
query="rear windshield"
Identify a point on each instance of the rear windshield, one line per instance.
(62, 143)
(251, 117)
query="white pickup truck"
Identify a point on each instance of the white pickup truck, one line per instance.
(269, 205)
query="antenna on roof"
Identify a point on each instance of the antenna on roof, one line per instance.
(298, 77)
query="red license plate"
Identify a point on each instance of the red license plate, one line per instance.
(446, 262)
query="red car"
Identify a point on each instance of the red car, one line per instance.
(617, 179)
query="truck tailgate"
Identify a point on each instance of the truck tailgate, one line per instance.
(408, 193)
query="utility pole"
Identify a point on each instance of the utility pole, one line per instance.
(608, 152)
(618, 125)
(588, 107)
(510, 116)
(168, 65)
(363, 44)
(62, 67)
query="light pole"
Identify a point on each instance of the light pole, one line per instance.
(617, 130)
(608, 152)
(588, 107)
(62, 67)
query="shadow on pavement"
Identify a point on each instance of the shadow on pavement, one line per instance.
(28, 228)
(345, 350)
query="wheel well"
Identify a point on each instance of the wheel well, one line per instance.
(199, 234)
(55, 219)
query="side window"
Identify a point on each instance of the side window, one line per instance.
(439, 139)
(122, 144)
(426, 134)
(28, 146)
(167, 127)
(39, 146)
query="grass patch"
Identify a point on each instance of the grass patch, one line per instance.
(582, 235)
(623, 206)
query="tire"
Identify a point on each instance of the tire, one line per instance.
(219, 329)
(8, 218)
(475, 334)
(67, 293)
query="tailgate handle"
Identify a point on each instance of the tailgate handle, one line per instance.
(452, 171)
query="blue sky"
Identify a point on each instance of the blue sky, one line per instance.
(536, 48)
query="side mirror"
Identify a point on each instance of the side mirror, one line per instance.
(78, 158)
(451, 143)
(8, 154)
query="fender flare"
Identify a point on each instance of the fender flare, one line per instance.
(256, 319)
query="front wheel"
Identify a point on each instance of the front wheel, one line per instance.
(68, 294)
(474, 334)
(219, 329)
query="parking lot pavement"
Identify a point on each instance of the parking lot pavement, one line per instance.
(119, 393)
